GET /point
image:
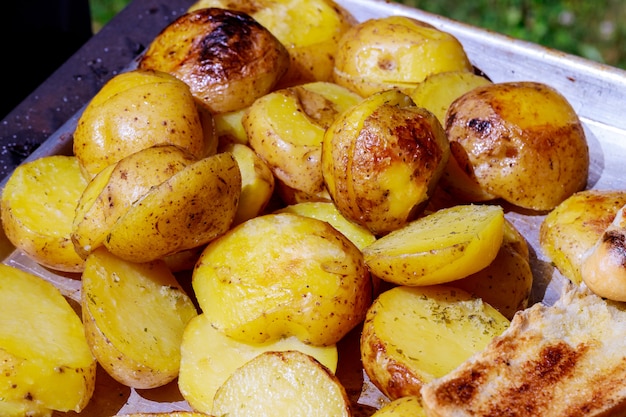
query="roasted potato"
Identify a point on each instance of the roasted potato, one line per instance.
(112, 192)
(519, 141)
(407, 406)
(381, 160)
(191, 208)
(412, 335)
(209, 357)
(281, 384)
(309, 29)
(45, 359)
(136, 110)
(134, 316)
(574, 227)
(229, 129)
(281, 275)
(286, 129)
(440, 247)
(225, 57)
(395, 52)
(38, 203)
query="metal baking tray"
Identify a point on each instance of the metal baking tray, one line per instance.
(597, 92)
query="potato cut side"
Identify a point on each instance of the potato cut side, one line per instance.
(38, 203)
(289, 383)
(409, 406)
(191, 208)
(414, 334)
(134, 316)
(45, 360)
(209, 357)
(444, 246)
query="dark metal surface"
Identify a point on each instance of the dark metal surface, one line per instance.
(70, 87)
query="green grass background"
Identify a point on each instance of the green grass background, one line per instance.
(593, 29)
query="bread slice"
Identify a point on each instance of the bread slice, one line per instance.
(568, 359)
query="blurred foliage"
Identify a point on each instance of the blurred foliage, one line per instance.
(592, 29)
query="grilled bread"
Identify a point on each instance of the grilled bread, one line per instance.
(568, 359)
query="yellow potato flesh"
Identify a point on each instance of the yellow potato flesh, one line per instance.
(135, 315)
(409, 406)
(441, 247)
(281, 275)
(38, 204)
(209, 357)
(45, 360)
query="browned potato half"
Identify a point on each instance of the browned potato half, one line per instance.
(38, 203)
(45, 359)
(286, 129)
(507, 281)
(574, 227)
(209, 357)
(395, 52)
(136, 110)
(225, 57)
(134, 316)
(281, 275)
(381, 160)
(111, 193)
(413, 335)
(281, 384)
(309, 29)
(408, 406)
(519, 141)
(191, 208)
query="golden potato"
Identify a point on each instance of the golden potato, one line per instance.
(407, 406)
(282, 384)
(413, 335)
(309, 29)
(507, 281)
(209, 357)
(225, 57)
(281, 275)
(134, 316)
(441, 247)
(381, 160)
(136, 110)
(395, 52)
(519, 141)
(229, 129)
(45, 359)
(111, 193)
(575, 225)
(38, 203)
(286, 128)
(192, 207)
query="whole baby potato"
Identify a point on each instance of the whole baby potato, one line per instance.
(381, 160)
(519, 141)
(395, 52)
(225, 57)
(135, 110)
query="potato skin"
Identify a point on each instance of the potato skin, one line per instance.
(225, 57)
(381, 160)
(522, 142)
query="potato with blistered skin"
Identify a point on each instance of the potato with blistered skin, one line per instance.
(225, 57)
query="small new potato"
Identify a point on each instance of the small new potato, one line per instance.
(226, 57)
(281, 275)
(395, 52)
(136, 110)
(381, 160)
(519, 141)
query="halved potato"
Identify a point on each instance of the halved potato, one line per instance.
(209, 357)
(413, 335)
(45, 361)
(281, 275)
(38, 203)
(443, 246)
(281, 384)
(407, 406)
(192, 207)
(134, 316)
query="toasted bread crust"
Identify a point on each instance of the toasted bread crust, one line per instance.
(565, 360)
